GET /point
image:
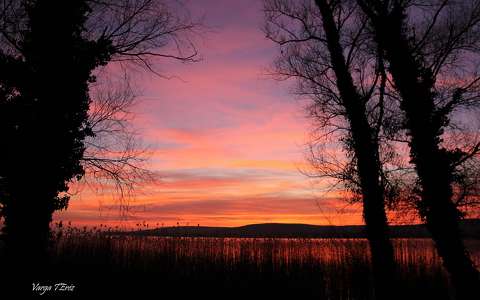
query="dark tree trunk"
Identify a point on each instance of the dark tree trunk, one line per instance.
(415, 85)
(44, 124)
(368, 163)
(26, 229)
(27, 236)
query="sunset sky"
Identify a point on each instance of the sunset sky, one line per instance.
(227, 140)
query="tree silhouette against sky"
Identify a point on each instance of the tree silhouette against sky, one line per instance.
(47, 63)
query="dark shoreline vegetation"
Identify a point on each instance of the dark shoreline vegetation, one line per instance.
(469, 227)
(106, 261)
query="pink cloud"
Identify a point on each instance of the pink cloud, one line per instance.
(227, 140)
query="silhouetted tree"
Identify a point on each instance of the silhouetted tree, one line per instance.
(49, 128)
(333, 71)
(115, 159)
(417, 63)
(44, 112)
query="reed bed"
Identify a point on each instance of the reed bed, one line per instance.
(325, 268)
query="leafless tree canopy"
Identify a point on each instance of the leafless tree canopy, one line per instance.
(141, 30)
(138, 29)
(445, 33)
(115, 159)
(141, 33)
(296, 26)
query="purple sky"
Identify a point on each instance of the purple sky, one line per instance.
(227, 140)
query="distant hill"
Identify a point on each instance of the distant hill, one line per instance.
(470, 229)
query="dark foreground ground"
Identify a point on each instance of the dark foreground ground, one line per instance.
(95, 264)
(223, 268)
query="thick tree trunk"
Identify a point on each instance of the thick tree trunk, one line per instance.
(27, 235)
(368, 162)
(431, 162)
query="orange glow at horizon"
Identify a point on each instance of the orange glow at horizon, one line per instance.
(228, 142)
